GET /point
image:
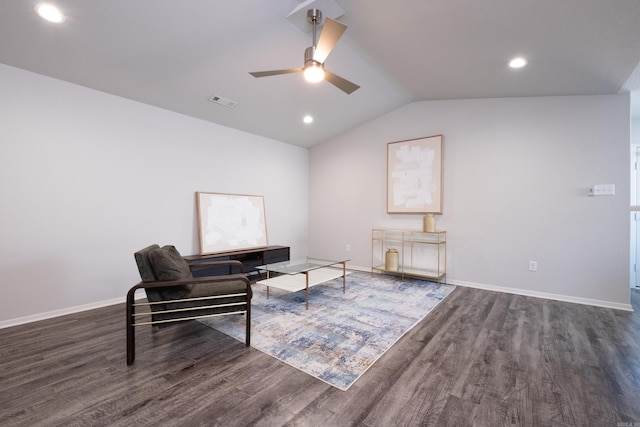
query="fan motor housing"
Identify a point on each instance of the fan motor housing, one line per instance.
(308, 57)
(314, 15)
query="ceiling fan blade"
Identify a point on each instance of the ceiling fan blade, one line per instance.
(331, 33)
(275, 72)
(342, 84)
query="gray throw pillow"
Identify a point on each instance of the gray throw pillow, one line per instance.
(168, 264)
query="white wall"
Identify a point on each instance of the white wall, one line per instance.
(516, 173)
(88, 178)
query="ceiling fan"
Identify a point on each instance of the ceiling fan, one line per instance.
(314, 56)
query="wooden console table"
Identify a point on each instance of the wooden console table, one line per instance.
(250, 259)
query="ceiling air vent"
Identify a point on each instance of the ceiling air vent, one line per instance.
(223, 101)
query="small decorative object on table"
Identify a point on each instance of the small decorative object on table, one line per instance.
(429, 225)
(391, 260)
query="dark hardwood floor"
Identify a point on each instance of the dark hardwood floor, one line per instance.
(480, 358)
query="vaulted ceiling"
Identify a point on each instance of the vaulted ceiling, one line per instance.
(177, 55)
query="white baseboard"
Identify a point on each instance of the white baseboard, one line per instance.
(62, 312)
(545, 295)
(528, 293)
(515, 291)
(356, 268)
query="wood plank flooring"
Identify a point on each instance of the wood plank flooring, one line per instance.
(479, 359)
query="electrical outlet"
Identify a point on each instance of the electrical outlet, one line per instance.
(603, 190)
(533, 266)
(347, 248)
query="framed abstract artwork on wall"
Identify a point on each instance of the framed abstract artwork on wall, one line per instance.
(414, 175)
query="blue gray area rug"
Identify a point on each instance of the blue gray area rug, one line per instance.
(341, 335)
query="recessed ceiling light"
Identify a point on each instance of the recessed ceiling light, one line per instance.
(518, 62)
(307, 119)
(49, 12)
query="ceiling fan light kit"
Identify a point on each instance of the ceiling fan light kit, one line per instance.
(314, 73)
(313, 70)
(315, 55)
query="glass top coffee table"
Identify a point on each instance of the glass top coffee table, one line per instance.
(296, 275)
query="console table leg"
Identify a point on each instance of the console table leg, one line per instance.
(344, 274)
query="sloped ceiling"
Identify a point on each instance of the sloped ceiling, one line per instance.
(176, 55)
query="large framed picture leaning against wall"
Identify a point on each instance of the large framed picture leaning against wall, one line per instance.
(414, 175)
(230, 222)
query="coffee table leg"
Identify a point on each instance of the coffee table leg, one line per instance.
(344, 274)
(306, 290)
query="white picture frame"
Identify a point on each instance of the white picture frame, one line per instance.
(230, 222)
